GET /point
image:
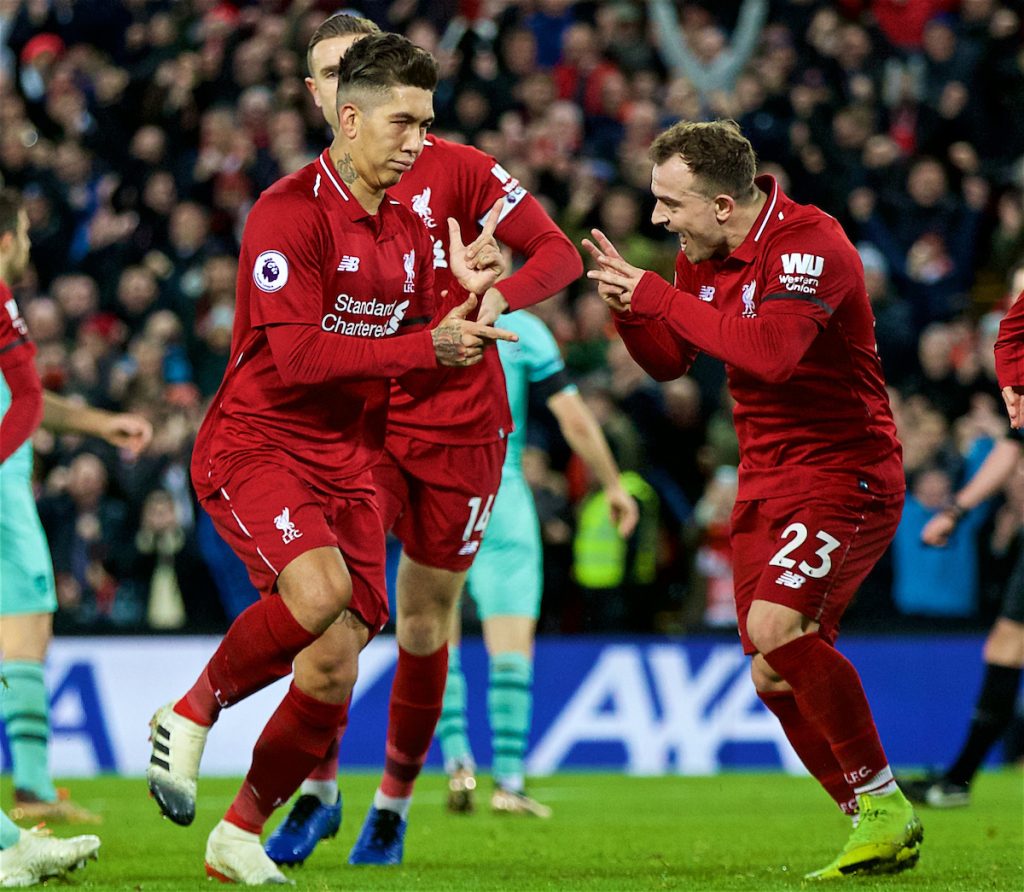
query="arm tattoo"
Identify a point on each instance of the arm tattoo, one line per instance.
(346, 169)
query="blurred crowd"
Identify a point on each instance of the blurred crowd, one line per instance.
(140, 133)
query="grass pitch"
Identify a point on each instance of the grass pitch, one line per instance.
(757, 832)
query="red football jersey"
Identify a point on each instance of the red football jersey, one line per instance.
(312, 256)
(15, 345)
(831, 418)
(1010, 346)
(452, 180)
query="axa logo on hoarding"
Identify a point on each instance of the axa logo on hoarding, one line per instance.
(669, 715)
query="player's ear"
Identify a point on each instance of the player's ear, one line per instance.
(724, 206)
(311, 86)
(348, 119)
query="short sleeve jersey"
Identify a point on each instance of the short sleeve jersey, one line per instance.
(311, 255)
(452, 180)
(15, 348)
(531, 361)
(832, 417)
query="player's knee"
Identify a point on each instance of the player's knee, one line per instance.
(318, 599)
(764, 677)
(421, 633)
(769, 626)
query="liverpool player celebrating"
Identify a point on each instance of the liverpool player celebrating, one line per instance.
(441, 468)
(775, 290)
(335, 279)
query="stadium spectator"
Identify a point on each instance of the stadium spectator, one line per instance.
(699, 49)
(929, 582)
(760, 321)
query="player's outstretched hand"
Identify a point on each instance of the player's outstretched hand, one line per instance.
(623, 510)
(1013, 397)
(938, 530)
(616, 279)
(460, 342)
(127, 431)
(478, 265)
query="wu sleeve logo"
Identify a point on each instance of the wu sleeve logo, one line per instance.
(804, 264)
(270, 271)
(801, 272)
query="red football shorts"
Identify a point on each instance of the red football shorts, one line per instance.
(437, 498)
(809, 552)
(269, 517)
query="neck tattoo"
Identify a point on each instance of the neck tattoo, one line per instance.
(346, 170)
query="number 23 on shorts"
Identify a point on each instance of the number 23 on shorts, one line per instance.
(793, 537)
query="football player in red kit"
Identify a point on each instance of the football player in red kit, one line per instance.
(776, 290)
(441, 466)
(335, 293)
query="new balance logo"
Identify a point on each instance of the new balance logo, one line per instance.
(289, 532)
(469, 548)
(349, 264)
(791, 579)
(802, 264)
(707, 292)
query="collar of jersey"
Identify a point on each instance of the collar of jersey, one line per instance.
(750, 246)
(335, 187)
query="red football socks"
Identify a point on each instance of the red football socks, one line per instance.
(829, 693)
(293, 741)
(416, 695)
(812, 748)
(327, 768)
(258, 649)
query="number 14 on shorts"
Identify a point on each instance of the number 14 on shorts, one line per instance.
(478, 520)
(796, 534)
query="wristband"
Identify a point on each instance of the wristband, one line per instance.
(955, 511)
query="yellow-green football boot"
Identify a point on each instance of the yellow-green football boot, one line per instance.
(887, 839)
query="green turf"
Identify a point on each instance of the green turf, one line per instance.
(739, 831)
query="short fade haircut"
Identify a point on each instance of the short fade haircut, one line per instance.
(10, 208)
(720, 156)
(339, 25)
(381, 61)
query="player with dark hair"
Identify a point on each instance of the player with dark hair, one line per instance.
(335, 292)
(29, 597)
(441, 466)
(776, 290)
